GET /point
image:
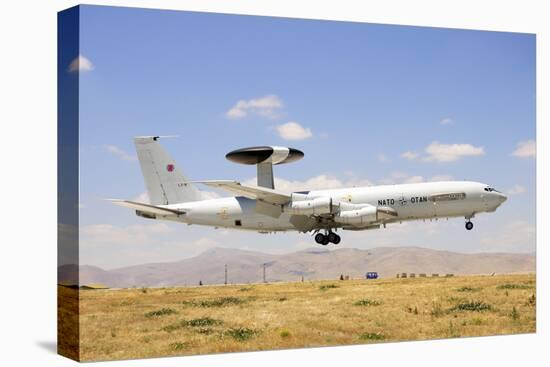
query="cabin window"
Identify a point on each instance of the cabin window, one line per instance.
(238, 223)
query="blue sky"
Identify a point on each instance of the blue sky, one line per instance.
(366, 103)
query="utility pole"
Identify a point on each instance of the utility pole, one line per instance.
(264, 272)
(225, 275)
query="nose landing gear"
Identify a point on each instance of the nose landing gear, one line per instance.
(324, 239)
(469, 225)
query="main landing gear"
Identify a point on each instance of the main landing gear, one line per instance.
(324, 239)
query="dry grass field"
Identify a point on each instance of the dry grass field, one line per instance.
(137, 323)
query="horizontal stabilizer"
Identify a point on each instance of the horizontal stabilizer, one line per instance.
(148, 208)
(252, 192)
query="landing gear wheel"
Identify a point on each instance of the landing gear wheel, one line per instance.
(320, 239)
(325, 240)
(469, 225)
(334, 238)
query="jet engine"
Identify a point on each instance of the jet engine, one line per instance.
(356, 217)
(317, 206)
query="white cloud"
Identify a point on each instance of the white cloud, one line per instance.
(357, 182)
(445, 152)
(142, 198)
(409, 155)
(398, 177)
(525, 149)
(516, 190)
(319, 182)
(267, 106)
(382, 158)
(451, 152)
(326, 181)
(80, 63)
(315, 183)
(293, 131)
(446, 121)
(414, 179)
(437, 178)
(113, 149)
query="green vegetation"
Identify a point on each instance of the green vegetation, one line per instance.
(514, 286)
(452, 332)
(177, 346)
(514, 314)
(468, 289)
(284, 333)
(220, 319)
(217, 302)
(161, 312)
(204, 321)
(324, 287)
(476, 321)
(437, 309)
(476, 306)
(196, 323)
(372, 336)
(241, 333)
(367, 302)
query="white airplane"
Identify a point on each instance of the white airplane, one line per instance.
(265, 209)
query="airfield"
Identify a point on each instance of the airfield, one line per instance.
(151, 322)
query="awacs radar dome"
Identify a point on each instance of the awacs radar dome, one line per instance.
(265, 154)
(264, 158)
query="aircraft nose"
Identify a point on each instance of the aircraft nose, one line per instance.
(502, 198)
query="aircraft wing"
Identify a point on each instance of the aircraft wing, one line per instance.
(265, 194)
(153, 209)
(385, 212)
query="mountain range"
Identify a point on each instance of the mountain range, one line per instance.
(244, 266)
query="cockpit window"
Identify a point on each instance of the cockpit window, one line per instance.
(490, 189)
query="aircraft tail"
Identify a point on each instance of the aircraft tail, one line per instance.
(164, 181)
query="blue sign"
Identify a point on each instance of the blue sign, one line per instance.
(372, 275)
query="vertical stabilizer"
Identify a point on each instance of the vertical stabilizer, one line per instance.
(164, 181)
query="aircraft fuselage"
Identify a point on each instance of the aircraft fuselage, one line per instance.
(415, 201)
